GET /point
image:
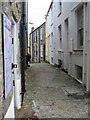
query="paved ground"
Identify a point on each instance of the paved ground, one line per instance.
(56, 94)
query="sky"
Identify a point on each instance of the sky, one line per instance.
(37, 9)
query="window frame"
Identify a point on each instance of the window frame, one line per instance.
(60, 36)
(60, 8)
(79, 28)
(80, 37)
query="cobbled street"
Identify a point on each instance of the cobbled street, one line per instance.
(52, 93)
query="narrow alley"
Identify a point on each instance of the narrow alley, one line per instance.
(44, 59)
(52, 93)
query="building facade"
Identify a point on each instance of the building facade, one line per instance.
(11, 84)
(37, 44)
(68, 38)
(47, 42)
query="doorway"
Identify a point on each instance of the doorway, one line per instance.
(67, 44)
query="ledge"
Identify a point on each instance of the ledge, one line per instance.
(78, 50)
(59, 14)
(60, 50)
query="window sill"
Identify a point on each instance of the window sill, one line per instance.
(78, 50)
(59, 14)
(52, 24)
(60, 50)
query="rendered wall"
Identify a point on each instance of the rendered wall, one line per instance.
(69, 54)
(47, 41)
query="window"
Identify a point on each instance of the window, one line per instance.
(60, 5)
(51, 59)
(79, 72)
(60, 37)
(41, 34)
(36, 53)
(36, 36)
(36, 47)
(60, 8)
(81, 36)
(52, 37)
(41, 51)
(80, 27)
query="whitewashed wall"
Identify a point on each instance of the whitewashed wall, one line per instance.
(68, 55)
(10, 113)
(17, 70)
(51, 30)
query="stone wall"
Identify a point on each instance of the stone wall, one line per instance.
(36, 45)
(13, 11)
(42, 42)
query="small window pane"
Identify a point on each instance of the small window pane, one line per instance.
(81, 36)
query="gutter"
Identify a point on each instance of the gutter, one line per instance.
(49, 9)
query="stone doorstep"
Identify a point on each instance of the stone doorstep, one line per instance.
(72, 90)
(75, 92)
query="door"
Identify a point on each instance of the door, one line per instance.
(7, 55)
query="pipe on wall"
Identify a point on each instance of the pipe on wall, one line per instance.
(88, 55)
(84, 41)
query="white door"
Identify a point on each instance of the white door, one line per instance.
(7, 55)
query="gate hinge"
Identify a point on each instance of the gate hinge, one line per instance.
(14, 65)
(13, 82)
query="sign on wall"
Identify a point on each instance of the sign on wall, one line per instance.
(7, 54)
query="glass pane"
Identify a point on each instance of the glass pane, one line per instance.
(81, 37)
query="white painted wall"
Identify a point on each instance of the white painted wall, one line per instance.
(16, 99)
(17, 70)
(10, 113)
(69, 57)
(51, 29)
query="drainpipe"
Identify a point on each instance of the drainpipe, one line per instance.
(84, 26)
(31, 48)
(23, 52)
(88, 55)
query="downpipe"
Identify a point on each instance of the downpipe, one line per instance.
(88, 57)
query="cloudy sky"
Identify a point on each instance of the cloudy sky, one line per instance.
(37, 10)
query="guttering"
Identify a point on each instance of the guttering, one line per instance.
(49, 9)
